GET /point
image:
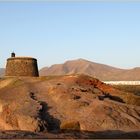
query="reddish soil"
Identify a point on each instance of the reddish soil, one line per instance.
(71, 106)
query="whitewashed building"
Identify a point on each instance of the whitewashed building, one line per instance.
(122, 82)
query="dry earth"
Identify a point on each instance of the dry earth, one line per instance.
(70, 106)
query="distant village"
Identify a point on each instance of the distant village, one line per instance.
(122, 82)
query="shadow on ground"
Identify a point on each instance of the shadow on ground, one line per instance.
(70, 134)
(52, 123)
(53, 127)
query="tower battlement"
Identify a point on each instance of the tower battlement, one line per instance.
(22, 66)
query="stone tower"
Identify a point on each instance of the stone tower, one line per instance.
(21, 66)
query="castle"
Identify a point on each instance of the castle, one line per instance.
(21, 66)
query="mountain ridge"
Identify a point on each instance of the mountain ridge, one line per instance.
(97, 70)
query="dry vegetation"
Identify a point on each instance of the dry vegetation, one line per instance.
(135, 89)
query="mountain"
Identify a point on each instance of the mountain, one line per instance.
(2, 71)
(66, 107)
(100, 71)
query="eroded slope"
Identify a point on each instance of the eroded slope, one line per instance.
(72, 102)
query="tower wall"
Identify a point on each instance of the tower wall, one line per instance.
(21, 66)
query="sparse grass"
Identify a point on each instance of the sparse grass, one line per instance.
(17, 82)
(132, 99)
(43, 78)
(11, 82)
(70, 125)
(135, 89)
(131, 91)
(83, 104)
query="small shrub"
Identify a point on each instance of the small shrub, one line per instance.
(70, 125)
(83, 104)
(75, 97)
(135, 89)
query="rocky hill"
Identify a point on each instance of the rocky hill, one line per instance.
(72, 106)
(100, 71)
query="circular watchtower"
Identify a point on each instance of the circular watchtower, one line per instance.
(21, 66)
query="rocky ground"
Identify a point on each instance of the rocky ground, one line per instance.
(71, 106)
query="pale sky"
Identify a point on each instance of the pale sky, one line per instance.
(53, 32)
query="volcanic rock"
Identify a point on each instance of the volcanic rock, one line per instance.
(71, 102)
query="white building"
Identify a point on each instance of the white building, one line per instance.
(122, 82)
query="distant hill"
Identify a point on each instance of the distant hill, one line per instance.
(100, 71)
(2, 71)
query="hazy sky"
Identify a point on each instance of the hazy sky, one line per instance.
(104, 32)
